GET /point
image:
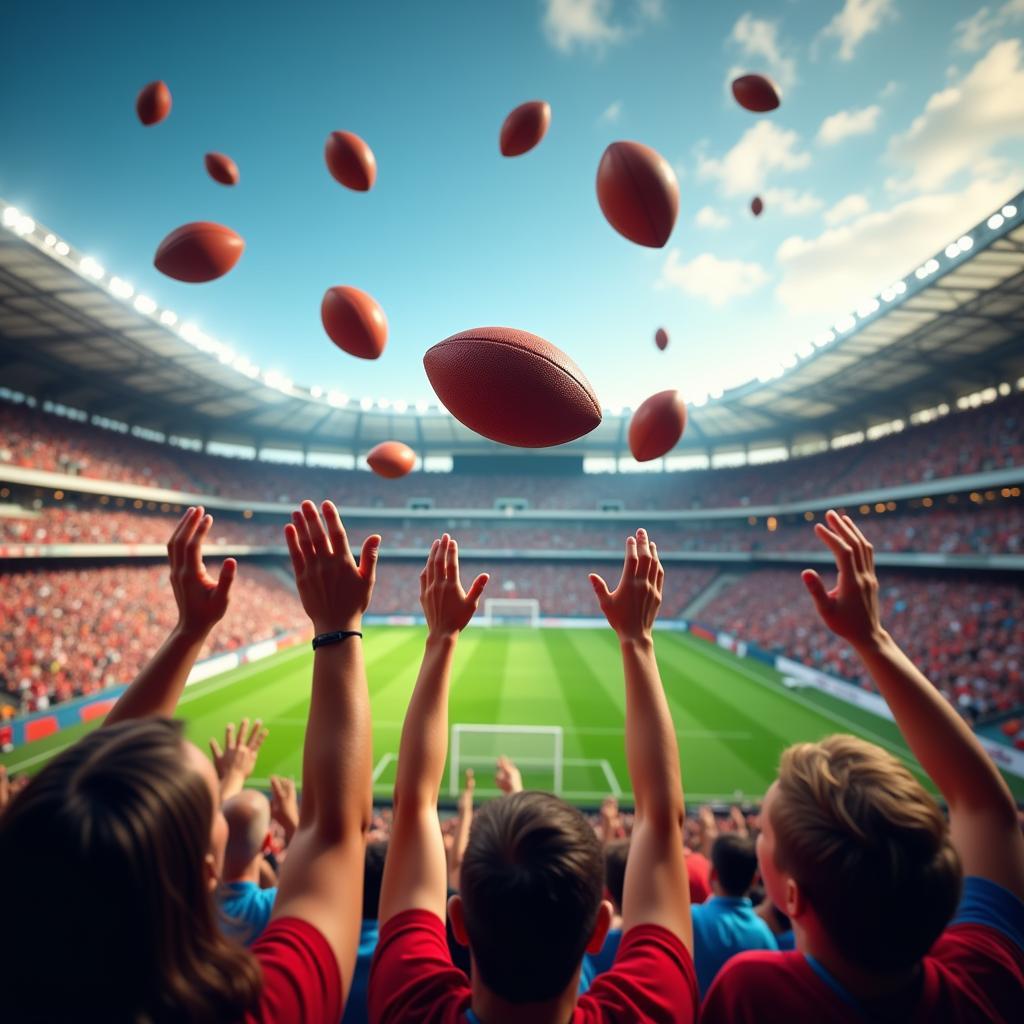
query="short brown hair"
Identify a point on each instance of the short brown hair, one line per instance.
(531, 886)
(105, 854)
(868, 847)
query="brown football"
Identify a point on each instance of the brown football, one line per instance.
(657, 426)
(198, 252)
(756, 93)
(638, 193)
(524, 128)
(221, 168)
(153, 103)
(350, 161)
(391, 459)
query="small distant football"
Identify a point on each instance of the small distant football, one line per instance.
(757, 206)
(756, 93)
(350, 161)
(199, 252)
(512, 387)
(638, 193)
(524, 128)
(661, 338)
(221, 168)
(354, 321)
(391, 459)
(153, 103)
(657, 426)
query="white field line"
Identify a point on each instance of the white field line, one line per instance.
(609, 774)
(382, 764)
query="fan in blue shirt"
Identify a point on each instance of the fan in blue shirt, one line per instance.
(726, 924)
(245, 908)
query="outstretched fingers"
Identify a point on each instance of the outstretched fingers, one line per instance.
(315, 526)
(840, 549)
(302, 533)
(476, 588)
(291, 538)
(336, 534)
(368, 558)
(600, 588)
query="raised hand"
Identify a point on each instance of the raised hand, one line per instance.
(334, 591)
(508, 777)
(202, 600)
(466, 796)
(632, 606)
(235, 763)
(447, 607)
(284, 805)
(850, 608)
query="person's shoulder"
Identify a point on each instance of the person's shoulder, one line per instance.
(751, 980)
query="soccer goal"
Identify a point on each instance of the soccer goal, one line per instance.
(537, 750)
(511, 611)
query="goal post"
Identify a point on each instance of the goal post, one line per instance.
(511, 611)
(537, 750)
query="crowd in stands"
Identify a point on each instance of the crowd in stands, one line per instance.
(967, 635)
(988, 529)
(70, 632)
(988, 438)
(850, 895)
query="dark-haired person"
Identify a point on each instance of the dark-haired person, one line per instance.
(532, 878)
(130, 818)
(898, 917)
(726, 924)
(356, 1010)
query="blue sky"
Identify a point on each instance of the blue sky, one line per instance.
(902, 124)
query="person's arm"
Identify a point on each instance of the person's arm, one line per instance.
(202, 602)
(507, 776)
(235, 763)
(708, 828)
(610, 823)
(656, 889)
(982, 814)
(414, 872)
(461, 838)
(284, 806)
(322, 877)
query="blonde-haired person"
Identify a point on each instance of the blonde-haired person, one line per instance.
(898, 916)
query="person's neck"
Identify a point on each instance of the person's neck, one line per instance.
(492, 1009)
(858, 981)
(249, 873)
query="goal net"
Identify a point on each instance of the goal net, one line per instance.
(537, 751)
(511, 611)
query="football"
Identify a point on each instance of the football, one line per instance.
(350, 161)
(638, 193)
(354, 321)
(391, 459)
(512, 387)
(199, 252)
(657, 426)
(756, 93)
(221, 168)
(153, 103)
(524, 128)
(661, 338)
(757, 206)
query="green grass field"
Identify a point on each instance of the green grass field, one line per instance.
(733, 716)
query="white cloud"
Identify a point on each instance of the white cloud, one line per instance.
(707, 277)
(846, 123)
(962, 125)
(832, 273)
(759, 38)
(790, 202)
(612, 112)
(857, 19)
(763, 148)
(889, 89)
(709, 217)
(973, 34)
(569, 24)
(853, 205)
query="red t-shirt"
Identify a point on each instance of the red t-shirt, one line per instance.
(412, 978)
(972, 973)
(301, 981)
(698, 868)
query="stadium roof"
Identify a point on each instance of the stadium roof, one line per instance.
(74, 335)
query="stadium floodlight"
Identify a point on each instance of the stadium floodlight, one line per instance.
(190, 332)
(846, 323)
(316, 391)
(366, 403)
(805, 351)
(824, 338)
(25, 226)
(899, 287)
(400, 405)
(337, 398)
(121, 288)
(1009, 210)
(144, 304)
(62, 248)
(226, 354)
(383, 403)
(422, 405)
(168, 318)
(11, 216)
(932, 265)
(964, 243)
(996, 221)
(50, 241)
(867, 307)
(952, 250)
(92, 268)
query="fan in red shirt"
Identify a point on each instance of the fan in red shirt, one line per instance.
(129, 818)
(532, 876)
(898, 917)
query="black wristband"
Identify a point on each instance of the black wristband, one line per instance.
(334, 638)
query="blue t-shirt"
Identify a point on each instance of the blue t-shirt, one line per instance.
(356, 1009)
(245, 910)
(601, 962)
(723, 927)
